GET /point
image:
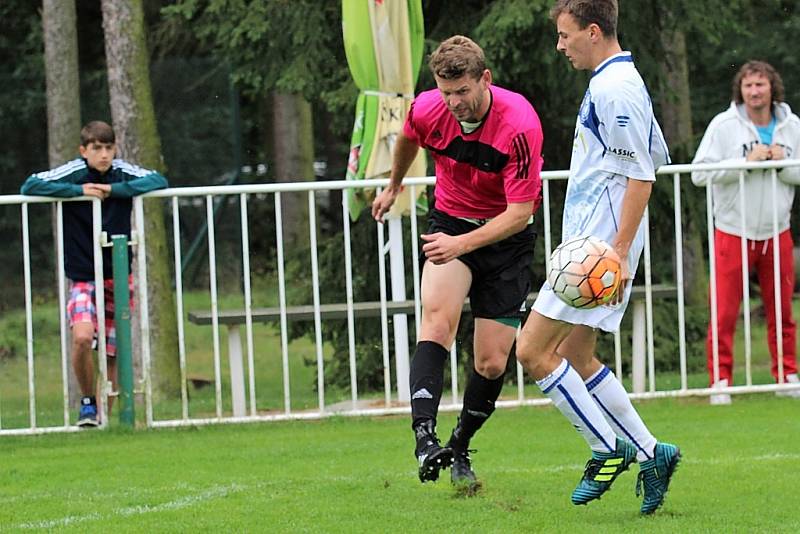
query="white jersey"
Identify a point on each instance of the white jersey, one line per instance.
(616, 138)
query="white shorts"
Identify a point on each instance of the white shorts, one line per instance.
(602, 224)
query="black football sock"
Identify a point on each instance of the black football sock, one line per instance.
(479, 398)
(427, 375)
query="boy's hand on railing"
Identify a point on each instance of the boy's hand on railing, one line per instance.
(101, 191)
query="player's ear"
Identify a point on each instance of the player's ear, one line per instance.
(82, 151)
(595, 33)
(487, 76)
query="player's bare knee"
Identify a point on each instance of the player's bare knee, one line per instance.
(438, 329)
(528, 352)
(491, 369)
(82, 340)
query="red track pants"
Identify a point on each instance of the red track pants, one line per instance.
(760, 259)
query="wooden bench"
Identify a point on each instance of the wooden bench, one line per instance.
(233, 319)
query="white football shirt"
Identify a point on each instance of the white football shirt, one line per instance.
(616, 137)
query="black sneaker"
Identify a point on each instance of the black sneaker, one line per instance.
(432, 457)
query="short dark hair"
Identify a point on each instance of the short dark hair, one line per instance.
(604, 13)
(97, 131)
(457, 56)
(766, 70)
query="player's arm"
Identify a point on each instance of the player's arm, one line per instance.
(715, 147)
(137, 181)
(633, 205)
(405, 151)
(441, 248)
(58, 182)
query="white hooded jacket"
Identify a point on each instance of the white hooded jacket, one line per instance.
(729, 138)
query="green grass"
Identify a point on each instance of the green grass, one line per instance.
(358, 475)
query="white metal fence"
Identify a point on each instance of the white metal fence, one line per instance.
(244, 363)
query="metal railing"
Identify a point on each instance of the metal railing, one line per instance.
(244, 398)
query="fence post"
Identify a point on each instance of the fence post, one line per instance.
(122, 324)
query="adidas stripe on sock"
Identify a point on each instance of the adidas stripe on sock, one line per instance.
(616, 406)
(568, 392)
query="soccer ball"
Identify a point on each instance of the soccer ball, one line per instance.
(584, 272)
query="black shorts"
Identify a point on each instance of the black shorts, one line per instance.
(501, 271)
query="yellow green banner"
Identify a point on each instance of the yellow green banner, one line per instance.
(383, 42)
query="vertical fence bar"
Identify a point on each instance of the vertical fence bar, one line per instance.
(144, 306)
(648, 302)
(212, 274)
(712, 268)
(520, 375)
(287, 397)
(248, 300)
(348, 274)
(618, 355)
(454, 371)
(387, 375)
(415, 260)
(100, 300)
(62, 307)
(177, 256)
(26, 265)
(676, 187)
(776, 277)
(748, 350)
(548, 239)
(312, 223)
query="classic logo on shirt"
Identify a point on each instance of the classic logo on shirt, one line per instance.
(623, 153)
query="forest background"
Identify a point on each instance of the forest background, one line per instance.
(250, 91)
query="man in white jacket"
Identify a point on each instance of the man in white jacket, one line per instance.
(758, 126)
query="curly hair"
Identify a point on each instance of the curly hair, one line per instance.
(766, 70)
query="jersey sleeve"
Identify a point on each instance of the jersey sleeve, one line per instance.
(137, 180)
(411, 128)
(61, 182)
(522, 174)
(629, 124)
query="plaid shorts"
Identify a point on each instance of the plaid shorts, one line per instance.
(82, 308)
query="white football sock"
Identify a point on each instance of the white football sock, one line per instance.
(617, 408)
(568, 393)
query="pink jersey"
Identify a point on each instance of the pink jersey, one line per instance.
(479, 173)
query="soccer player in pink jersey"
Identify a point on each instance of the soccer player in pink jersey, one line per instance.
(486, 143)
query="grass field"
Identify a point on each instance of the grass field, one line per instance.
(358, 475)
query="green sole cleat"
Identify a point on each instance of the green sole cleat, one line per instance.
(601, 470)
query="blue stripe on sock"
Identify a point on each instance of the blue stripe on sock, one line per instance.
(557, 380)
(583, 418)
(616, 422)
(599, 378)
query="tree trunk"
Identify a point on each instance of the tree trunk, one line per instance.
(63, 86)
(676, 115)
(293, 149)
(63, 100)
(138, 142)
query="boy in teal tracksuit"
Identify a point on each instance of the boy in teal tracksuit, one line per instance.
(96, 173)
